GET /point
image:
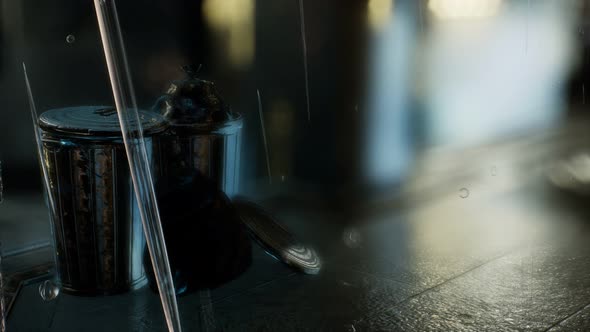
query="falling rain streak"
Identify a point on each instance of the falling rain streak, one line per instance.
(137, 158)
(531, 237)
(49, 289)
(304, 45)
(264, 136)
(207, 316)
(37, 130)
(421, 16)
(350, 328)
(2, 305)
(526, 40)
(1, 185)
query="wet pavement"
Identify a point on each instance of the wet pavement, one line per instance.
(513, 255)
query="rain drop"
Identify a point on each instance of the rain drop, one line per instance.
(70, 39)
(344, 283)
(350, 328)
(352, 238)
(463, 192)
(48, 290)
(282, 178)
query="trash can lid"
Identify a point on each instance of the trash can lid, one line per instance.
(276, 239)
(96, 121)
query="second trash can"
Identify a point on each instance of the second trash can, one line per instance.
(204, 134)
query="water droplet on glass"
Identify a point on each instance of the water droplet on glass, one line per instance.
(48, 290)
(350, 328)
(282, 178)
(70, 39)
(494, 171)
(463, 192)
(352, 238)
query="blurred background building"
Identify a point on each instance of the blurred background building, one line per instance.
(387, 79)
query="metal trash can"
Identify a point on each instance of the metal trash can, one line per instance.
(204, 135)
(97, 228)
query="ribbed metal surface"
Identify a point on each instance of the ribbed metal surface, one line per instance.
(98, 233)
(216, 155)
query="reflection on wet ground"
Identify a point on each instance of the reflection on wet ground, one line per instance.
(514, 255)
